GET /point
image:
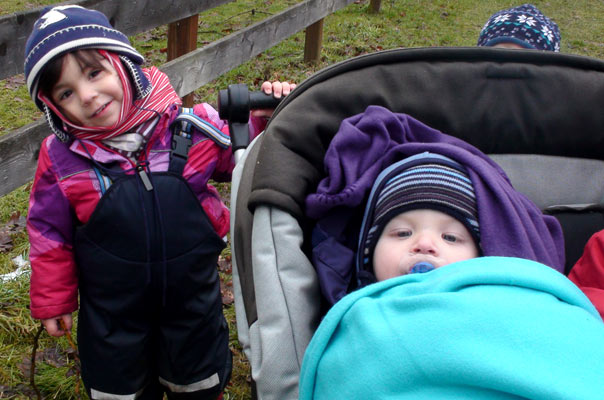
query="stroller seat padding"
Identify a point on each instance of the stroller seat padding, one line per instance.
(552, 180)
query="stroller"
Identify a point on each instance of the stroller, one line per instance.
(537, 114)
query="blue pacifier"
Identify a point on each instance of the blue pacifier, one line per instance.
(421, 267)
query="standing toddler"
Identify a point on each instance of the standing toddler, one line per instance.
(122, 214)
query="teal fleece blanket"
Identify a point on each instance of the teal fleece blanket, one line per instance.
(486, 328)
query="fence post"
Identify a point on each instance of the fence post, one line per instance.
(182, 38)
(375, 6)
(314, 41)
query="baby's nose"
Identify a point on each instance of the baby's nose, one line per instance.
(424, 244)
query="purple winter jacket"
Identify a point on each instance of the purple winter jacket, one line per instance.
(510, 224)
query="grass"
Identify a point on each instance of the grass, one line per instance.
(347, 33)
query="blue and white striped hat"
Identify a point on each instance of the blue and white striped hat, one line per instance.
(524, 25)
(423, 181)
(64, 29)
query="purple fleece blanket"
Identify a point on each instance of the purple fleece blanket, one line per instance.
(510, 224)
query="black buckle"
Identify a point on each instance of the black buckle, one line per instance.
(180, 145)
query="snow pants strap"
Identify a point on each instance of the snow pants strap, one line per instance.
(181, 143)
(182, 137)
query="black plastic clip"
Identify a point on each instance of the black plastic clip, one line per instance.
(181, 145)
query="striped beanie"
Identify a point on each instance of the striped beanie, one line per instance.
(524, 25)
(423, 181)
(64, 29)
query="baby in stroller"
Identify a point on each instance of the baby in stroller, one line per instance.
(422, 216)
(481, 328)
(435, 179)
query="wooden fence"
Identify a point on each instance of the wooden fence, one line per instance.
(189, 68)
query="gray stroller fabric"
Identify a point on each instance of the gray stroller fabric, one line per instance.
(551, 180)
(273, 342)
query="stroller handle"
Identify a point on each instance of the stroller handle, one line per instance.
(234, 105)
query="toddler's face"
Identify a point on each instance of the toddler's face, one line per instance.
(421, 235)
(89, 96)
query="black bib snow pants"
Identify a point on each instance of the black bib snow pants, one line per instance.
(150, 302)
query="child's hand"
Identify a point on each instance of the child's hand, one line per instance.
(53, 325)
(277, 89)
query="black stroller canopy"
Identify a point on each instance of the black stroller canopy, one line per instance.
(501, 101)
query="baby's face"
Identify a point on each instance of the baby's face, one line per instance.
(421, 235)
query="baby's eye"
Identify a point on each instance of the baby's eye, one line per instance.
(450, 238)
(403, 234)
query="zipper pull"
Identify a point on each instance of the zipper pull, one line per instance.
(144, 178)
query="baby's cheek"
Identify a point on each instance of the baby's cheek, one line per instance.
(387, 259)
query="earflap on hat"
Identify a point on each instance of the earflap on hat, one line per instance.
(423, 181)
(142, 86)
(56, 124)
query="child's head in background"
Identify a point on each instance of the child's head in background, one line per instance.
(522, 27)
(422, 213)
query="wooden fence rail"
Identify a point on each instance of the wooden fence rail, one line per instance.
(129, 17)
(19, 148)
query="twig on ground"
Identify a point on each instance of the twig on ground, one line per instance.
(76, 358)
(32, 367)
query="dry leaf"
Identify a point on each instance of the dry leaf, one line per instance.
(55, 357)
(6, 241)
(227, 294)
(225, 265)
(14, 82)
(16, 220)
(20, 391)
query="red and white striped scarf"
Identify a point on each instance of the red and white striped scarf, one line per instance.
(132, 113)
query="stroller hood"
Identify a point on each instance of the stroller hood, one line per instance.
(501, 101)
